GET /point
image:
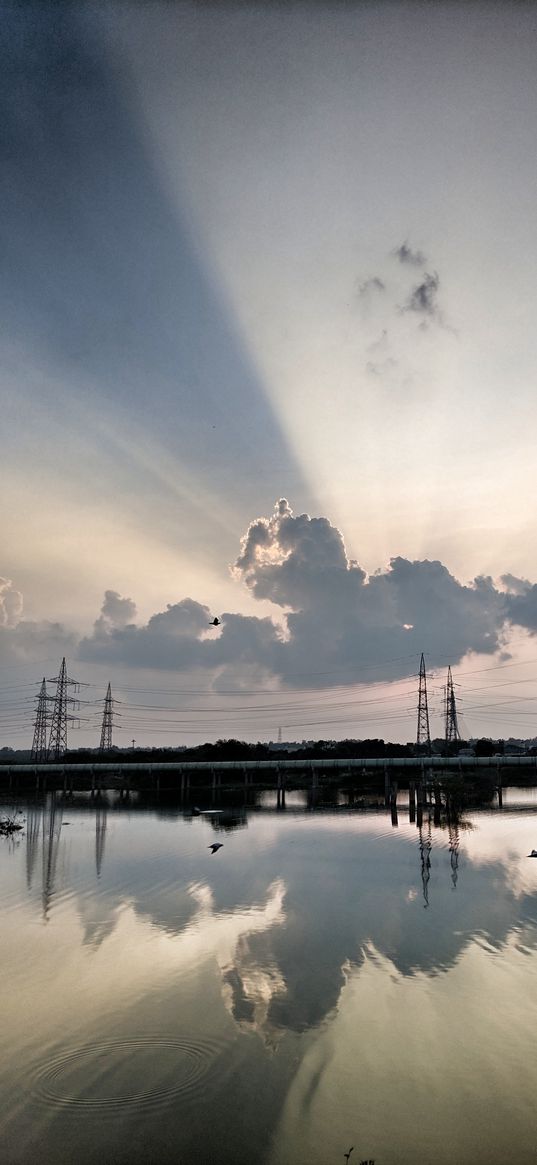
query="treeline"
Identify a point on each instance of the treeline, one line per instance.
(229, 750)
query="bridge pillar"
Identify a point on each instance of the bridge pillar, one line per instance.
(411, 801)
(386, 786)
(437, 804)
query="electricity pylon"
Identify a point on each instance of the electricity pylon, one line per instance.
(39, 746)
(58, 732)
(423, 736)
(452, 726)
(106, 730)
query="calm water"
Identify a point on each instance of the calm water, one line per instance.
(324, 980)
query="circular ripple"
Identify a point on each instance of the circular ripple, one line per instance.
(189, 1062)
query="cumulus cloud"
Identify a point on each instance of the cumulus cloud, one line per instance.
(24, 640)
(180, 639)
(405, 254)
(521, 608)
(31, 642)
(337, 618)
(10, 603)
(333, 619)
(170, 639)
(514, 585)
(116, 610)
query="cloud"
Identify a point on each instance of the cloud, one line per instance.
(332, 620)
(115, 612)
(382, 368)
(422, 298)
(522, 607)
(170, 639)
(35, 642)
(406, 255)
(514, 585)
(337, 618)
(10, 603)
(374, 283)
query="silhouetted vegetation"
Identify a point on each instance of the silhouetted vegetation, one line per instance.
(10, 825)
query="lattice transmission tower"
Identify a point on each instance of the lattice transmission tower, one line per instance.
(108, 721)
(452, 724)
(423, 736)
(60, 716)
(39, 746)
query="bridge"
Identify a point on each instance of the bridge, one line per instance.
(268, 773)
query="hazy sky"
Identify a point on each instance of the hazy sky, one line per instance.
(253, 252)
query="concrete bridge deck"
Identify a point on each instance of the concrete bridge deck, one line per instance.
(362, 765)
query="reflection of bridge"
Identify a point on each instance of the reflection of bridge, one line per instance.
(270, 773)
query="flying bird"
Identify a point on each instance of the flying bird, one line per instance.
(215, 623)
(215, 846)
(533, 854)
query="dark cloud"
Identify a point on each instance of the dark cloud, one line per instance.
(115, 611)
(32, 642)
(516, 586)
(422, 298)
(180, 639)
(405, 254)
(170, 639)
(522, 607)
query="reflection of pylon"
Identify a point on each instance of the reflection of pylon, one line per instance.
(100, 834)
(425, 845)
(452, 727)
(52, 824)
(39, 746)
(454, 853)
(106, 730)
(33, 823)
(423, 737)
(58, 732)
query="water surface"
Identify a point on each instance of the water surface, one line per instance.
(326, 979)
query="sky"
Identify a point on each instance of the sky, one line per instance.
(268, 354)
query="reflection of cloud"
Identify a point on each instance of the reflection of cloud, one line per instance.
(347, 891)
(413, 1041)
(251, 986)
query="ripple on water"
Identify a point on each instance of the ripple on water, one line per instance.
(106, 1076)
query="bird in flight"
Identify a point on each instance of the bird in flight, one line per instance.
(216, 845)
(215, 622)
